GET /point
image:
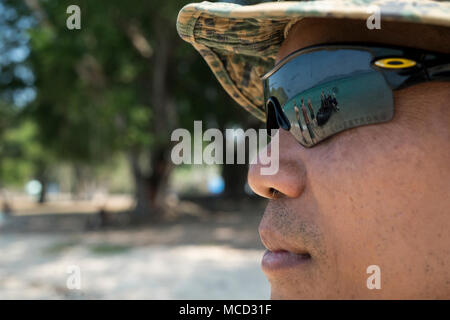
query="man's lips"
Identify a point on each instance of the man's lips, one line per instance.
(290, 237)
(281, 253)
(275, 242)
(279, 260)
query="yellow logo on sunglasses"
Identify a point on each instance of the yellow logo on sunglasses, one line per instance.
(395, 63)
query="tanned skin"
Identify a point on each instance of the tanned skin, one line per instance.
(372, 195)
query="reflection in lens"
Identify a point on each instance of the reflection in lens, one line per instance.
(326, 113)
(320, 98)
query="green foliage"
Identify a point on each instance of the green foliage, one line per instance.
(95, 87)
(21, 154)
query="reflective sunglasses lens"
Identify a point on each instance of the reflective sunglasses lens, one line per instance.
(328, 91)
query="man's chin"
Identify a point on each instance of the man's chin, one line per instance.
(287, 289)
(293, 283)
(280, 295)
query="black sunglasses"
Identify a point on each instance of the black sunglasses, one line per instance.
(319, 91)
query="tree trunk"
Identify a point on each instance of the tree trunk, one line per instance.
(6, 208)
(43, 193)
(235, 178)
(76, 187)
(151, 185)
(235, 175)
(150, 189)
(142, 188)
(42, 177)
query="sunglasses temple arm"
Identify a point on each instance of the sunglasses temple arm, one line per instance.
(440, 72)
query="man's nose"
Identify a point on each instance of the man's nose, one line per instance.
(289, 179)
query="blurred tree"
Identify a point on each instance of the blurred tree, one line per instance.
(122, 82)
(16, 90)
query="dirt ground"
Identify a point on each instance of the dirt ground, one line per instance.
(206, 249)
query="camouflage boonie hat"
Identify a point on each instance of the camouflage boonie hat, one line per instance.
(240, 42)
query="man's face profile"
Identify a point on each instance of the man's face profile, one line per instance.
(371, 195)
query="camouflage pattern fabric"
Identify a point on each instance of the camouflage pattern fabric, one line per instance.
(240, 42)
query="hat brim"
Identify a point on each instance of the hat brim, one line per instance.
(240, 43)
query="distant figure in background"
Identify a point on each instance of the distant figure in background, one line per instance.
(6, 208)
(297, 115)
(308, 124)
(311, 110)
(324, 113)
(334, 102)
